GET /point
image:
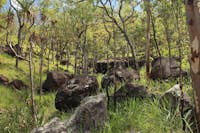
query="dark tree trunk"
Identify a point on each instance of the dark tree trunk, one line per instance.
(18, 45)
(115, 84)
(153, 21)
(148, 43)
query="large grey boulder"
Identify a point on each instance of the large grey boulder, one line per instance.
(89, 116)
(54, 126)
(119, 75)
(161, 68)
(171, 100)
(76, 90)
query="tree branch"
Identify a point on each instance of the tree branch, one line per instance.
(18, 56)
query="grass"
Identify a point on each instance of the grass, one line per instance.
(15, 106)
(130, 116)
(141, 116)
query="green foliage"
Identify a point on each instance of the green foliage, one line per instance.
(2, 2)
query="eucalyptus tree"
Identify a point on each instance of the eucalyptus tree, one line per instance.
(22, 9)
(80, 20)
(23, 13)
(154, 30)
(116, 14)
(193, 21)
(41, 38)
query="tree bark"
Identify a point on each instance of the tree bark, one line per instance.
(75, 58)
(153, 21)
(32, 87)
(148, 43)
(7, 25)
(85, 54)
(18, 44)
(169, 44)
(193, 21)
(41, 67)
(115, 66)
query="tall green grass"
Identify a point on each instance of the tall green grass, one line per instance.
(143, 117)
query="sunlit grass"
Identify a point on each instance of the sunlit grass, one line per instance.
(9, 97)
(142, 117)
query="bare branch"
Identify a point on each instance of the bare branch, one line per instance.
(120, 10)
(128, 17)
(33, 21)
(111, 7)
(108, 21)
(109, 33)
(18, 56)
(12, 6)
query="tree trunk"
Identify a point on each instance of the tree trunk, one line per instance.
(169, 45)
(85, 55)
(148, 43)
(49, 52)
(193, 21)
(115, 66)
(153, 21)
(75, 56)
(7, 25)
(41, 67)
(133, 52)
(68, 58)
(18, 46)
(57, 56)
(32, 87)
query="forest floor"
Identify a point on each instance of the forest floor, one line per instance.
(142, 116)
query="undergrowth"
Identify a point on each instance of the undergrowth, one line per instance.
(130, 116)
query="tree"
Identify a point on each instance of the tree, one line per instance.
(110, 10)
(22, 9)
(31, 79)
(148, 43)
(81, 20)
(193, 21)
